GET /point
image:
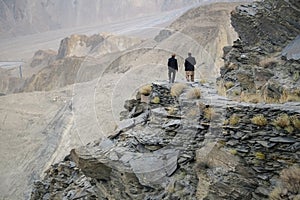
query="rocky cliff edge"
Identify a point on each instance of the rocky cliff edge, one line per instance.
(263, 64)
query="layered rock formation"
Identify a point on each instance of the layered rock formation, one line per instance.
(63, 68)
(182, 147)
(262, 65)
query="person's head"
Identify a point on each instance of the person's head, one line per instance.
(173, 55)
(189, 54)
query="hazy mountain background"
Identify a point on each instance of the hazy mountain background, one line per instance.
(34, 16)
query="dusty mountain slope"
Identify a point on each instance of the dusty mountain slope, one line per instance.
(31, 125)
(102, 83)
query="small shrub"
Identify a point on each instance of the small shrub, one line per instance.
(194, 93)
(155, 100)
(222, 90)
(276, 194)
(291, 179)
(289, 129)
(295, 121)
(290, 184)
(203, 81)
(226, 122)
(177, 89)
(233, 151)
(282, 121)
(236, 92)
(250, 98)
(290, 96)
(209, 113)
(192, 113)
(146, 90)
(259, 120)
(260, 156)
(172, 110)
(229, 84)
(296, 76)
(201, 105)
(234, 120)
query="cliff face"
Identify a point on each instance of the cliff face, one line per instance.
(63, 69)
(210, 28)
(259, 67)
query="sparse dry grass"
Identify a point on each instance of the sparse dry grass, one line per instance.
(233, 151)
(232, 66)
(268, 62)
(259, 120)
(156, 100)
(192, 113)
(295, 119)
(172, 110)
(289, 129)
(177, 89)
(226, 122)
(290, 184)
(209, 113)
(291, 178)
(290, 96)
(203, 81)
(234, 120)
(201, 105)
(228, 84)
(260, 156)
(251, 98)
(146, 89)
(221, 89)
(194, 93)
(282, 121)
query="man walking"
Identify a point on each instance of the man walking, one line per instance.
(172, 68)
(189, 65)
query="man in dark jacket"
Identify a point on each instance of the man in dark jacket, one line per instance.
(172, 68)
(189, 65)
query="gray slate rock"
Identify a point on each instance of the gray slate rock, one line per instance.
(283, 140)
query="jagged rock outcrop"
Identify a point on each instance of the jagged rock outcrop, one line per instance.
(100, 44)
(180, 147)
(43, 58)
(63, 68)
(258, 67)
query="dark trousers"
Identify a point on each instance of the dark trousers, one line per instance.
(172, 74)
